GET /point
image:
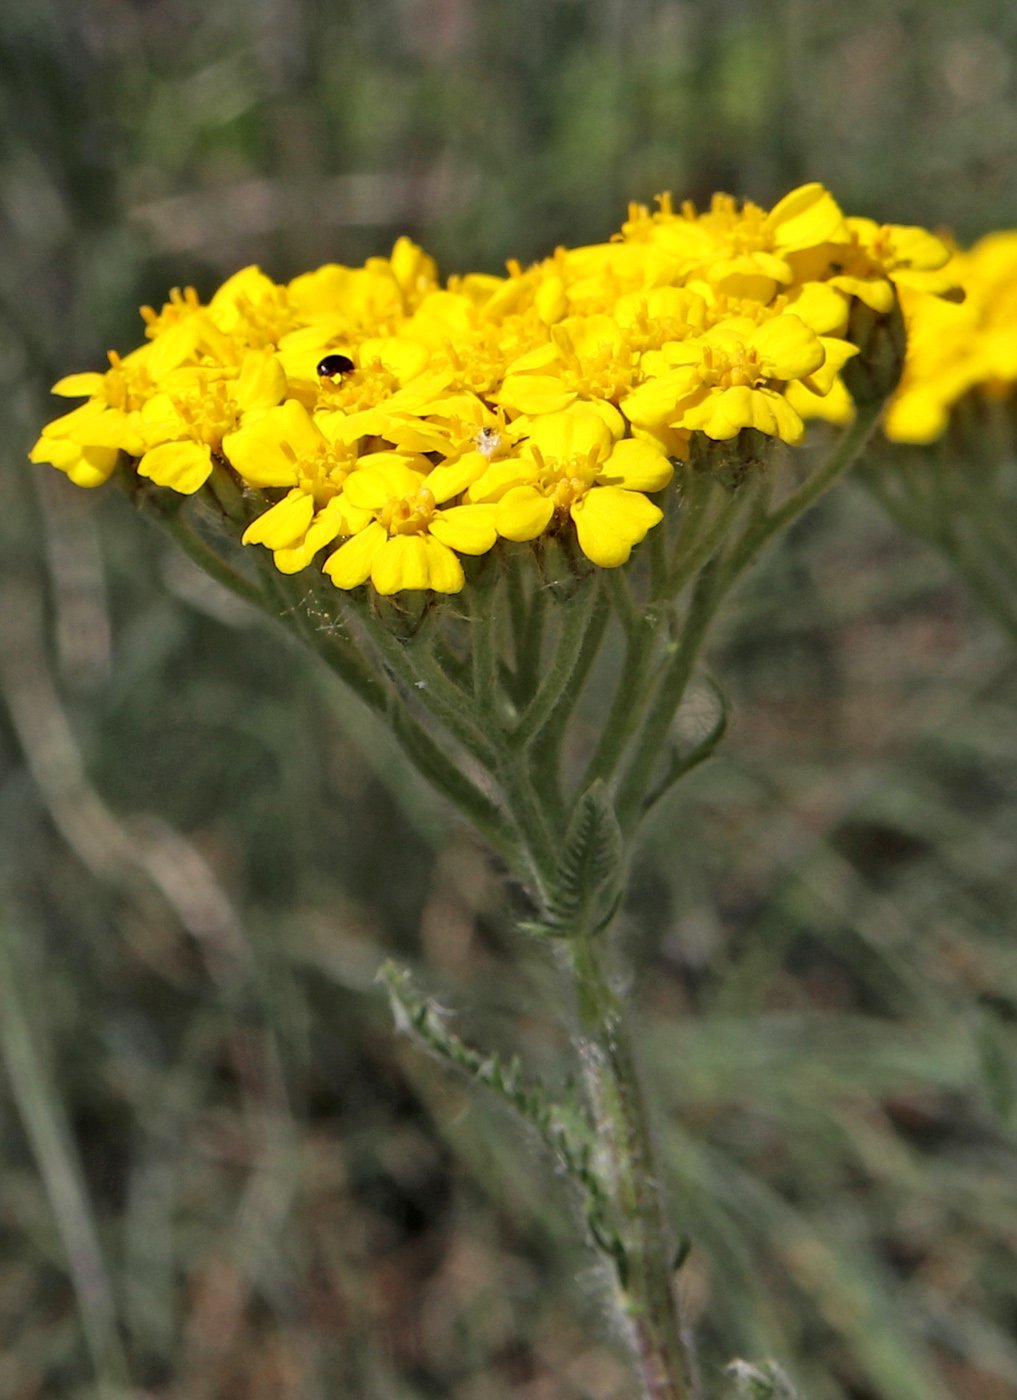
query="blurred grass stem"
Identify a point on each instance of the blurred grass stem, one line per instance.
(53, 1148)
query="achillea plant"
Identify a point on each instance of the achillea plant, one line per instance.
(451, 493)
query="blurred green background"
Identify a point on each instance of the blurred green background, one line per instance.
(220, 1173)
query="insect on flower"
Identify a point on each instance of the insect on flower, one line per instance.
(332, 366)
(488, 441)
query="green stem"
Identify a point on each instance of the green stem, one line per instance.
(431, 761)
(336, 651)
(545, 750)
(702, 545)
(419, 671)
(559, 682)
(533, 818)
(670, 690)
(212, 563)
(644, 1287)
(630, 692)
(484, 617)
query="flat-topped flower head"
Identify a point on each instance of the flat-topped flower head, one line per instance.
(408, 542)
(572, 467)
(550, 398)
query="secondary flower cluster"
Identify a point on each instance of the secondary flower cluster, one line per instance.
(404, 424)
(955, 348)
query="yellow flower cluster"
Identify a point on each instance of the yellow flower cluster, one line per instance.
(954, 348)
(406, 423)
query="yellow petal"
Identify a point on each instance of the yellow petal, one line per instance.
(551, 301)
(594, 336)
(79, 386)
(160, 421)
(351, 564)
(612, 418)
(173, 346)
(823, 308)
(111, 428)
(534, 393)
(332, 520)
(444, 569)
(787, 347)
(653, 404)
(411, 266)
(523, 513)
(807, 217)
(918, 416)
(637, 465)
(402, 564)
(836, 406)
(469, 529)
(452, 478)
(875, 292)
(838, 352)
(249, 284)
(258, 449)
(609, 521)
(403, 358)
(93, 467)
(673, 442)
(560, 436)
(502, 477)
(790, 428)
(542, 357)
(262, 382)
(86, 466)
(184, 466)
(380, 478)
(284, 524)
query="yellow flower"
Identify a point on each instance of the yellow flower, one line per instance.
(571, 464)
(184, 425)
(86, 466)
(954, 348)
(415, 272)
(85, 443)
(740, 251)
(586, 358)
(723, 381)
(835, 406)
(648, 320)
(286, 447)
(409, 543)
(873, 258)
(247, 312)
(370, 300)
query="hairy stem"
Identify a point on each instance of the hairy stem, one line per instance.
(644, 1292)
